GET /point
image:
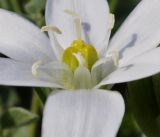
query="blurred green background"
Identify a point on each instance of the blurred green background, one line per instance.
(141, 97)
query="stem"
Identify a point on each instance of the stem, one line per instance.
(34, 109)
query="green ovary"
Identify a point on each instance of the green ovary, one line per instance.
(87, 51)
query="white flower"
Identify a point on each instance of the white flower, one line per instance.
(36, 60)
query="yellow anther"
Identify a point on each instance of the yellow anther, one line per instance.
(35, 67)
(52, 28)
(80, 53)
(111, 21)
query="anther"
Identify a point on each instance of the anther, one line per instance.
(52, 28)
(35, 67)
(111, 21)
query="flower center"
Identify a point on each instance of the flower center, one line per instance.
(87, 52)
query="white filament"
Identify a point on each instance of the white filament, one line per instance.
(77, 22)
(72, 13)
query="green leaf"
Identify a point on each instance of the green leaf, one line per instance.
(16, 132)
(143, 103)
(21, 132)
(17, 117)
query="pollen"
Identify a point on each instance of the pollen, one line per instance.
(87, 52)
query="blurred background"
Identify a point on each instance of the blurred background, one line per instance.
(21, 108)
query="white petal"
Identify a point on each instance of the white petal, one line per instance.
(57, 48)
(21, 40)
(19, 74)
(94, 16)
(82, 78)
(56, 72)
(83, 113)
(140, 32)
(139, 67)
(102, 68)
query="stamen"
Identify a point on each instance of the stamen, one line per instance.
(58, 48)
(115, 57)
(35, 67)
(72, 13)
(77, 22)
(52, 28)
(111, 21)
(80, 59)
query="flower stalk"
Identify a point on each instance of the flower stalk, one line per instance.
(34, 109)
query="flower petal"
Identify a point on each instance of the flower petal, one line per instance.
(21, 40)
(19, 74)
(139, 67)
(56, 72)
(102, 68)
(82, 78)
(83, 113)
(94, 17)
(139, 33)
(57, 48)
